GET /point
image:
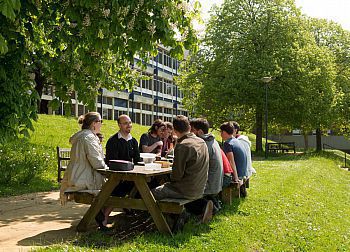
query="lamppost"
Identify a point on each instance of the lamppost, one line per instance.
(101, 93)
(266, 80)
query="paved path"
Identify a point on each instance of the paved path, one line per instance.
(37, 219)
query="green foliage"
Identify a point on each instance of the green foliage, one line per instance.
(81, 46)
(22, 162)
(247, 40)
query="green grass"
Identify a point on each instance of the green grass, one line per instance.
(295, 203)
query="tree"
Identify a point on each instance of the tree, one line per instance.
(333, 37)
(86, 45)
(250, 39)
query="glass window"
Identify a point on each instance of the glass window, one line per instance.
(120, 103)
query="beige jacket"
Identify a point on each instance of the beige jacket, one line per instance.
(85, 157)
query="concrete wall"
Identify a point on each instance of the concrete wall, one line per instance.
(338, 142)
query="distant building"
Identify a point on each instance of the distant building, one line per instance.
(158, 97)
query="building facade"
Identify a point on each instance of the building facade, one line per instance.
(155, 97)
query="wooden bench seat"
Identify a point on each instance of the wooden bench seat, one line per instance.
(228, 193)
(167, 205)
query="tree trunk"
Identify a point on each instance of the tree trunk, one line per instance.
(259, 130)
(306, 141)
(39, 85)
(318, 140)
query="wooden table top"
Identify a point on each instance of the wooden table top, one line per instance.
(138, 170)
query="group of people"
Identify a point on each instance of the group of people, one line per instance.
(200, 167)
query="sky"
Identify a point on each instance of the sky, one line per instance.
(335, 10)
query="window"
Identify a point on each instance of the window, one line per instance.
(81, 110)
(109, 100)
(120, 103)
(160, 57)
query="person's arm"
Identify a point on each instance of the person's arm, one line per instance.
(231, 159)
(111, 150)
(136, 158)
(151, 148)
(94, 153)
(179, 164)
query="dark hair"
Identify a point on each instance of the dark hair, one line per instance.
(228, 127)
(169, 125)
(87, 119)
(200, 124)
(181, 124)
(236, 126)
(156, 125)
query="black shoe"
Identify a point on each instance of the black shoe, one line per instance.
(243, 191)
(208, 212)
(181, 221)
(100, 217)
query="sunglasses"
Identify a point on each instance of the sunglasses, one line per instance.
(99, 121)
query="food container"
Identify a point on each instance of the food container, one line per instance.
(153, 167)
(164, 164)
(120, 165)
(148, 157)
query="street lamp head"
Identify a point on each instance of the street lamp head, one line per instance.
(266, 79)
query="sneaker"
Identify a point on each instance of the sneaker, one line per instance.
(208, 213)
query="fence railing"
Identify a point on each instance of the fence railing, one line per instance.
(333, 148)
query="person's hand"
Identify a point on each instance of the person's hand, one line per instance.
(160, 143)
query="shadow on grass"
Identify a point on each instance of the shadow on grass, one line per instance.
(141, 226)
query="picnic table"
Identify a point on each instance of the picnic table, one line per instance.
(281, 146)
(140, 177)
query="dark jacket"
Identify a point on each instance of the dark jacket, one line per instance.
(190, 167)
(120, 149)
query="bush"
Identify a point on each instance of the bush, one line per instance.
(21, 162)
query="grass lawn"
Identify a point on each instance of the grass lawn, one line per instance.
(295, 202)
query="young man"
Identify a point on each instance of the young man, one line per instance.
(200, 127)
(190, 166)
(246, 144)
(234, 151)
(122, 145)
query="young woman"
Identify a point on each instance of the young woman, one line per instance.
(86, 156)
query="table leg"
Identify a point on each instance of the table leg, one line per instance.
(152, 205)
(98, 202)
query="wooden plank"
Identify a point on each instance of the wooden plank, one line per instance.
(168, 207)
(120, 202)
(230, 192)
(98, 202)
(180, 202)
(152, 205)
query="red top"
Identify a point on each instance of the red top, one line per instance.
(226, 163)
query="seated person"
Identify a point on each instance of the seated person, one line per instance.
(122, 146)
(200, 127)
(86, 156)
(190, 166)
(151, 142)
(234, 151)
(168, 140)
